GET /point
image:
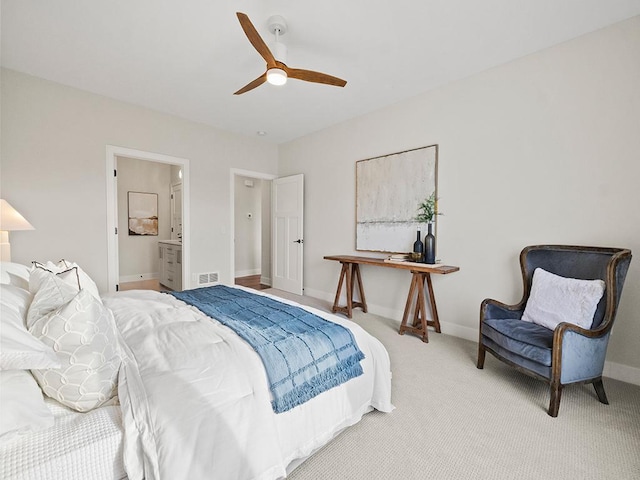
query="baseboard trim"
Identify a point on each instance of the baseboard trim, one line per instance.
(616, 371)
(265, 280)
(621, 372)
(247, 273)
(320, 295)
(138, 277)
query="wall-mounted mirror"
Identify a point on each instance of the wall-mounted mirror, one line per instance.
(389, 190)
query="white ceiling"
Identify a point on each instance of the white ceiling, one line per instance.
(188, 57)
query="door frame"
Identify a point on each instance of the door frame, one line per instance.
(113, 267)
(232, 220)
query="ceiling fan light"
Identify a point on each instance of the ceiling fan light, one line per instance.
(276, 76)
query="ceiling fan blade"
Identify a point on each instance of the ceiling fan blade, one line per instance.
(251, 85)
(256, 40)
(317, 77)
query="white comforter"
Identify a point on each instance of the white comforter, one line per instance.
(195, 400)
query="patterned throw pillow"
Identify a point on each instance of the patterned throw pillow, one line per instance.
(50, 291)
(82, 333)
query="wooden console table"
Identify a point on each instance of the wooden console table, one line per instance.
(350, 275)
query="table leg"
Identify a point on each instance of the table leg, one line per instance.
(363, 301)
(420, 322)
(435, 323)
(336, 308)
(350, 274)
(417, 319)
(415, 290)
(407, 307)
(421, 307)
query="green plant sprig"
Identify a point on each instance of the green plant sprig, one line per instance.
(428, 209)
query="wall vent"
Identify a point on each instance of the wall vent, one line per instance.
(207, 278)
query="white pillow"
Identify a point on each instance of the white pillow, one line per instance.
(39, 273)
(18, 348)
(14, 274)
(84, 280)
(22, 405)
(51, 291)
(15, 298)
(82, 333)
(554, 299)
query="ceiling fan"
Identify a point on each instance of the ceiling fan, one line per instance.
(277, 72)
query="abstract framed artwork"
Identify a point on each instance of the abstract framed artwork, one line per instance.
(143, 213)
(388, 191)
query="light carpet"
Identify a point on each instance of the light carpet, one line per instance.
(453, 421)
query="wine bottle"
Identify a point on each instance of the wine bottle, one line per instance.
(430, 247)
(418, 246)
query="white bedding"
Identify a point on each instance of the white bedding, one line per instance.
(80, 446)
(195, 400)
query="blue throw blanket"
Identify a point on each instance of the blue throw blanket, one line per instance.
(303, 354)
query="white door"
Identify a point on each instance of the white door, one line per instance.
(287, 245)
(176, 211)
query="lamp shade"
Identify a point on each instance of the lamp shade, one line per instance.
(10, 219)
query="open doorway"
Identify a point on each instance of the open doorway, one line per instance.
(251, 223)
(149, 249)
(148, 173)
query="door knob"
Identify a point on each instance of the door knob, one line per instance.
(298, 241)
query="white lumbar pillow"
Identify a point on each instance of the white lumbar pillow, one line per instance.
(82, 333)
(555, 299)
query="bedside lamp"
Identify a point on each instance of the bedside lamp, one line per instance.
(10, 220)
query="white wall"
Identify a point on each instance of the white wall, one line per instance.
(541, 150)
(54, 142)
(138, 255)
(248, 231)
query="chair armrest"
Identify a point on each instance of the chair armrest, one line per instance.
(578, 353)
(494, 309)
(562, 328)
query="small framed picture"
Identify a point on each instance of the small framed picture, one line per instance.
(143, 213)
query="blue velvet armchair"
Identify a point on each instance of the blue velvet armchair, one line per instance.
(569, 353)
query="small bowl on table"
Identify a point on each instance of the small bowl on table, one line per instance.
(415, 256)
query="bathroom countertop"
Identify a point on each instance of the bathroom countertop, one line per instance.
(171, 242)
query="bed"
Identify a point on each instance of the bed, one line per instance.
(188, 397)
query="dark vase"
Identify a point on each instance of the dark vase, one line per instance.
(418, 246)
(430, 246)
